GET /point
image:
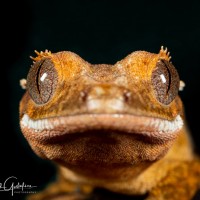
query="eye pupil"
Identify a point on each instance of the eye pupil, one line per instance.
(42, 81)
(165, 82)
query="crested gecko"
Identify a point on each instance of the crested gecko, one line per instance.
(120, 127)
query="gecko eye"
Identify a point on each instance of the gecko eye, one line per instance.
(42, 80)
(165, 81)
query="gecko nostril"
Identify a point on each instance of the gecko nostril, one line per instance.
(83, 96)
(127, 95)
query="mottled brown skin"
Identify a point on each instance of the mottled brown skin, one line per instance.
(103, 140)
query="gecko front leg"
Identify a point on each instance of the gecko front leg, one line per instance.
(62, 189)
(181, 183)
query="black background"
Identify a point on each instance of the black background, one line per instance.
(99, 31)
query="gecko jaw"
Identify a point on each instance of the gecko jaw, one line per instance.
(58, 126)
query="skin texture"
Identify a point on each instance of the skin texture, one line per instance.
(119, 127)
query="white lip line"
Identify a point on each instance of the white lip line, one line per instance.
(140, 123)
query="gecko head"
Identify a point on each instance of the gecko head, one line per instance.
(102, 117)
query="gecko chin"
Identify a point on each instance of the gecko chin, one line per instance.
(101, 141)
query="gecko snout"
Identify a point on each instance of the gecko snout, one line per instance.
(105, 98)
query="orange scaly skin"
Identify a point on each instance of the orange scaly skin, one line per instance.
(119, 127)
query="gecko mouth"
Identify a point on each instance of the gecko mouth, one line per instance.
(56, 127)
